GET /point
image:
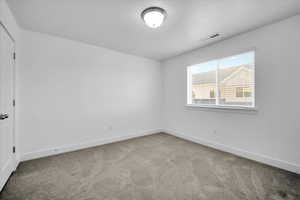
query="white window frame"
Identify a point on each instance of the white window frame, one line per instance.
(217, 105)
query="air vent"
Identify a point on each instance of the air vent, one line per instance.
(214, 36)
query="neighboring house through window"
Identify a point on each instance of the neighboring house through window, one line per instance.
(212, 94)
(223, 82)
(243, 92)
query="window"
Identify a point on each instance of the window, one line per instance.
(243, 92)
(225, 82)
(239, 92)
(212, 94)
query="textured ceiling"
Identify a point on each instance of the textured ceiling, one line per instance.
(116, 24)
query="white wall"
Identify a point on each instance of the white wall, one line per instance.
(272, 134)
(72, 93)
(7, 18)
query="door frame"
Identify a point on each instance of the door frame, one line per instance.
(15, 157)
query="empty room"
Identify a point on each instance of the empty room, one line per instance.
(149, 100)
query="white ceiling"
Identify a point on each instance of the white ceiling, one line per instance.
(116, 24)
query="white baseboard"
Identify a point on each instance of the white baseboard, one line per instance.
(239, 152)
(17, 161)
(75, 147)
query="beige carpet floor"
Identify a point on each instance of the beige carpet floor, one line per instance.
(158, 167)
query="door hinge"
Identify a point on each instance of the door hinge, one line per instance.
(14, 56)
(14, 103)
(14, 149)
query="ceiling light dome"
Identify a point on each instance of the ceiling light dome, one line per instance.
(154, 16)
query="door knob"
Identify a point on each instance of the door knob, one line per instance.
(3, 116)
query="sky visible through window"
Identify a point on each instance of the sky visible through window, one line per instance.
(242, 59)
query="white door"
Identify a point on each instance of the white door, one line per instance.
(7, 158)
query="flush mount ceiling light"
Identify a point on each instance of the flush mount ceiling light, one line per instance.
(154, 16)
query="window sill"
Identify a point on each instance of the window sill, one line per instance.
(222, 107)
